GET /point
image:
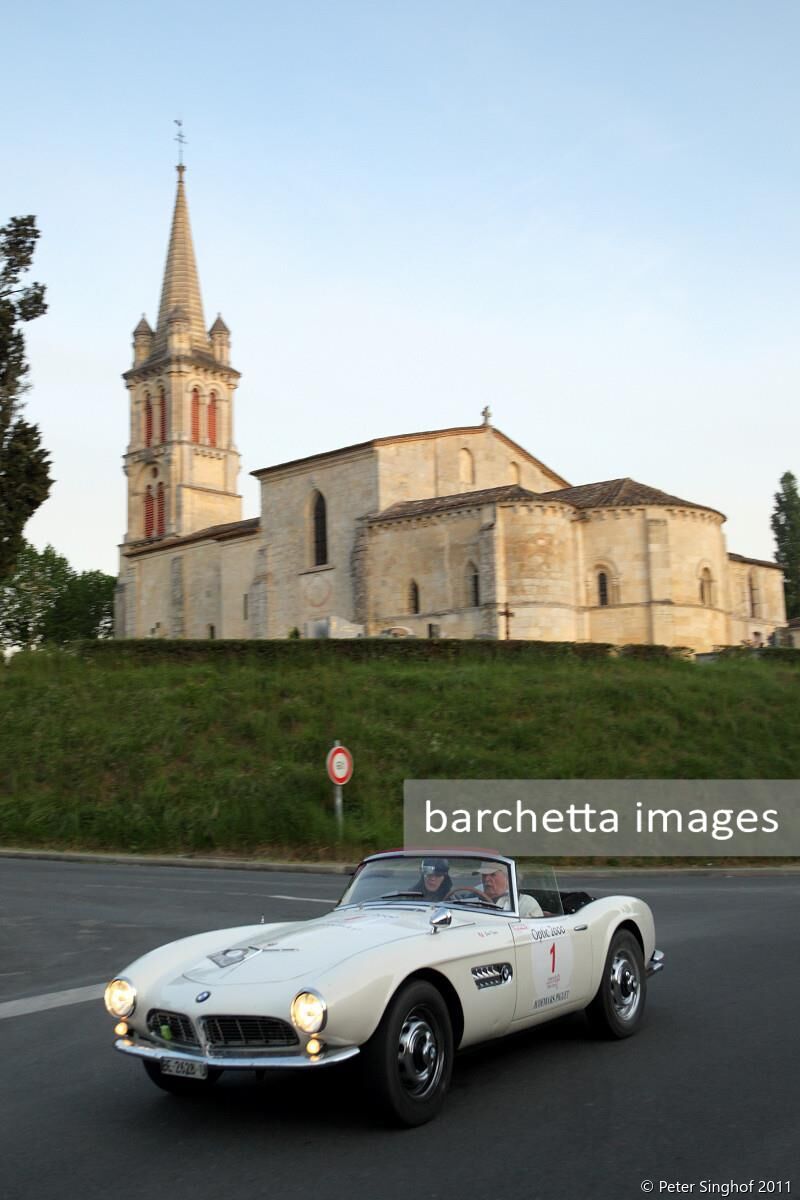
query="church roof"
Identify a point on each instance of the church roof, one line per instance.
(612, 493)
(621, 493)
(143, 326)
(755, 562)
(219, 325)
(436, 504)
(181, 286)
(212, 533)
(427, 435)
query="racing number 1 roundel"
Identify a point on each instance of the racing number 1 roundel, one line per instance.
(340, 765)
(552, 969)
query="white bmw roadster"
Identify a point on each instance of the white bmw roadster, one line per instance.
(423, 954)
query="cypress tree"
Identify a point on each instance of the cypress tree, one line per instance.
(24, 463)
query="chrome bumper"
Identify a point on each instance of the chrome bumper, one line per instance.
(656, 963)
(260, 1062)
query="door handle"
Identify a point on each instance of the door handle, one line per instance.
(580, 928)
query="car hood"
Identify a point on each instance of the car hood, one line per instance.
(306, 948)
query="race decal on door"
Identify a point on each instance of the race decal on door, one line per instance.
(552, 966)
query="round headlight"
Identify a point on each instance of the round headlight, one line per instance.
(120, 998)
(309, 1012)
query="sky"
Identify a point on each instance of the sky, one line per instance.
(584, 215)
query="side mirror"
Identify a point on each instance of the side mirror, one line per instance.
(440, 919)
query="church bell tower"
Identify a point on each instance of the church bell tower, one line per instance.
(181, 463)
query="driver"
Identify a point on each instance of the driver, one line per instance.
(434, 882)
(494, 881)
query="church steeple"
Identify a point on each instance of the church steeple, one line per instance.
(182, 464)
(181, 286)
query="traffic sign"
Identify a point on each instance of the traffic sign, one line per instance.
(340, 765)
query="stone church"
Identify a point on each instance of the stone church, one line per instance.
(450, 532)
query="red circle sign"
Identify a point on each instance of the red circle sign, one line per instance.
(340, 765)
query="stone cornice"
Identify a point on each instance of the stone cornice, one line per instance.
(251, 527)
(183, 364)
(469, 509)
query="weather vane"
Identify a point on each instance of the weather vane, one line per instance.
(181, 140)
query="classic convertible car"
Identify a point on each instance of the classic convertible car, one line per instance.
(423, 954)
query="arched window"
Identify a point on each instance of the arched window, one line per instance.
(212, 419)
(148, 421)
(413, 596)
(706, 583)
(162, 414)
(160, 510)
(195, 415)
(753, 596)
(320, 519)
(473, 585)
(466, 468)
(513, 472)
(602, 589)
(148, 512)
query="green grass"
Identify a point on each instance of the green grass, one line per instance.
(216, 754)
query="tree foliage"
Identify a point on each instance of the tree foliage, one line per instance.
(786, 527)
(46, 602)
(24, 464)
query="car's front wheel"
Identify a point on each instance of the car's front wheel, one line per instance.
(618, 1007)
(178, 1085)
(409, 1059)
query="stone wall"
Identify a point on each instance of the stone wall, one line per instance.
(437, 553)
(536, 543)
(756, 602)
(652, 559)
(299, 591)
(450, 463)
(184, 591)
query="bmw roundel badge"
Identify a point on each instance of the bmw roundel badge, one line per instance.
(201, 997)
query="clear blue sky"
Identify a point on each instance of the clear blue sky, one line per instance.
(584, 214)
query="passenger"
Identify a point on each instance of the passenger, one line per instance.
(494, 881)
(434, 882)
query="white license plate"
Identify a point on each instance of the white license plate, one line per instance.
(178, 1066)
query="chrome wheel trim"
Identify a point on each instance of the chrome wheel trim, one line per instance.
(625, 985)
(420, 1054)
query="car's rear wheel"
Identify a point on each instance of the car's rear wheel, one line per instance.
(178, 1085)
(618, 1007)
(409, 1058)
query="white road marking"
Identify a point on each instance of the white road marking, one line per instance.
(33, 1004)
(305, 899)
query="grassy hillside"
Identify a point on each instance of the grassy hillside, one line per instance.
(226, 753)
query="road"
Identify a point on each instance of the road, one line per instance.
(708, 1091)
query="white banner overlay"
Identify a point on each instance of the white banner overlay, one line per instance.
(755, 818)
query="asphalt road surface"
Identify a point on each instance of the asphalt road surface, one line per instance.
(706, 1094)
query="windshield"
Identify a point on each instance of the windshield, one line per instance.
(429, 880)
(484, 883)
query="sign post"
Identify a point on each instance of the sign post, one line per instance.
(339, 764)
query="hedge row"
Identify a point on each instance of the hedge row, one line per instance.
(398, 650)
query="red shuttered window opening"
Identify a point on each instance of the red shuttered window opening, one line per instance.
(195, 415)
(160, 510)
(162, 413)
(148, 421)
(212, 419)
(148, 512)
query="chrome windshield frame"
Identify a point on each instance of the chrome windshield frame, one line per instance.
(478, 856)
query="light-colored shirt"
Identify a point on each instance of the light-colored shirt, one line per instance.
(528, 907)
